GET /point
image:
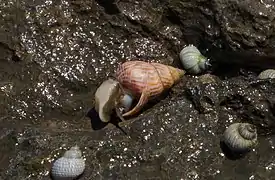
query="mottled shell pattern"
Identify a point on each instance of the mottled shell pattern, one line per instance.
(266, 74)
(145, 80)
(240, 137)
(192, 60)
(70, 165)
(106, 97)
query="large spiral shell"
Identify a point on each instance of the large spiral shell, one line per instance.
(192, 60)
(70, 166)
(266, 74)
(145, 80)
(240, 137)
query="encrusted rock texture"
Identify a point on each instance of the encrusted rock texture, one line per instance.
(54, 55)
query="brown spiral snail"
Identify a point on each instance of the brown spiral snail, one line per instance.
(134, 80)
(240, 137)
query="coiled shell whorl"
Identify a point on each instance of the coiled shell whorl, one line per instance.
(192, 60)
(145, 80)
(240, 137)
(69, 166)
(266, 74)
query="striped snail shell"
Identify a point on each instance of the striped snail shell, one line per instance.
(192, 60)
(70, 166)
(145, 80)
(240, 137)
(105, 99)
(266, 74)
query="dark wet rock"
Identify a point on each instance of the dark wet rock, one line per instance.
(203, 92)
(54, 54)
(246, 98)
(246, 24)
(253, 101)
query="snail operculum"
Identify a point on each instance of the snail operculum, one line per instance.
(240, 137)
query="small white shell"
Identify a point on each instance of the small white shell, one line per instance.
(70, 166)
(240, 137)
(269, 73)
(105, 99)
(192, 60)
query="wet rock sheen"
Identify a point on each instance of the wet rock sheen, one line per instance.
(54, 54)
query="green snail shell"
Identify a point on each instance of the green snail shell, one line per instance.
(266, 74)
(240, 137)
(192, 60)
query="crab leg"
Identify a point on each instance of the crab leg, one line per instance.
(142, 101)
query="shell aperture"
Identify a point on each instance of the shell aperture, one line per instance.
(69, 166)
(105, 99)
(192, 60)
(240, 137)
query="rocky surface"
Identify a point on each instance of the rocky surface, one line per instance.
(54, 54)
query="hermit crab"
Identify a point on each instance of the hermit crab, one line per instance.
(138, 80)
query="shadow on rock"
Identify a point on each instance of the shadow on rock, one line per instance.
(97, 124)
(230, 154)
(66, 178)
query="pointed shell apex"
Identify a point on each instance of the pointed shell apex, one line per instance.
(176, 73)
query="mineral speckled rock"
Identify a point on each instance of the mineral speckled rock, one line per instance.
(56, 53)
